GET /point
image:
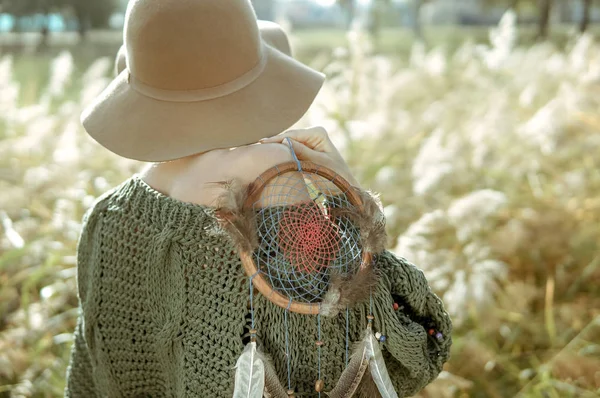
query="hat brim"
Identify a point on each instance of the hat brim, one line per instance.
(138, 127)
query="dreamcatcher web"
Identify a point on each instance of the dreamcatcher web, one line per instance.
(305, 235)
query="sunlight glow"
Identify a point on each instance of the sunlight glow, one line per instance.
(325, 3)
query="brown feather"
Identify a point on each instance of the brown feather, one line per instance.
(352, 376)
(347, 291)
(238, 220)
(370, 220)
(368, 388)
(358, 288)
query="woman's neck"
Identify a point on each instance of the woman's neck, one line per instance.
(195, 179)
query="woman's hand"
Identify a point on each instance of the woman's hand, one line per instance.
(313, 144)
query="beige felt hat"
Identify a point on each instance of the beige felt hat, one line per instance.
(271, 33)
(198, 76)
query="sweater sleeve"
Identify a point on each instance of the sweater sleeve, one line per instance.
(80, 382)
(414, 357)
(79, 377)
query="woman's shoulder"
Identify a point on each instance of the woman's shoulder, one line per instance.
(136, 205)
(196, 184)
(253, 160)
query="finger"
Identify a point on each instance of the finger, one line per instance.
(281, 137)
(313, 137)
(316, 131)
(305, 153)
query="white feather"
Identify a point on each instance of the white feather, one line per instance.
(249, 374)
(377, 367)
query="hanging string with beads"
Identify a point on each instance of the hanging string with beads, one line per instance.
(252, 328)
(370, 317)
(290, 392)
(347, 330)
(319, 384)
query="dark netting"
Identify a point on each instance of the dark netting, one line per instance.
(306, 235)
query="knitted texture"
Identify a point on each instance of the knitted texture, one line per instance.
(164, 305)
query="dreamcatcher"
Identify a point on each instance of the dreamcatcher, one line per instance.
(306, 239)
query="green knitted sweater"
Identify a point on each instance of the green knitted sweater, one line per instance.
(163, 309)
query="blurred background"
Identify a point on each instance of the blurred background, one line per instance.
(477, 120)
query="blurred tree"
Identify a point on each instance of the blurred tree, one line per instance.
(89, 14)
(416, 23)
(509, 4)
(585, 18)
(21, 8)
(349, 9)
(544, 12)
(377, 11)
(545, 7)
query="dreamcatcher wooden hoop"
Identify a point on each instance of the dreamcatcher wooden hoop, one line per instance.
(250, 267)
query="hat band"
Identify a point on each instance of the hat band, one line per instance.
(203, 94)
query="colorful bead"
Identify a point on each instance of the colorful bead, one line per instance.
(382, 338)
(439, 336)
(396, 306)
(319, 343)
(319, 385)
(377, 335)
(370, 317)
(431, 332)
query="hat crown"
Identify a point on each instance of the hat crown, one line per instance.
(191, 44)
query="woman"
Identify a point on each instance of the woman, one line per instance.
(163, 308)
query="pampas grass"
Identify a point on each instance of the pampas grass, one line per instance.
(487, 162)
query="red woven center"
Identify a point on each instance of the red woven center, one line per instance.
(308, 238)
